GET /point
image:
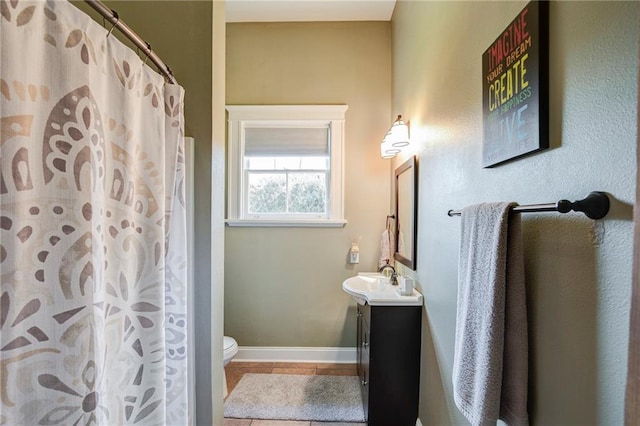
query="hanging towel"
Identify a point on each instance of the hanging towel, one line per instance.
(490, 359)
(386, 241)
(387, 245)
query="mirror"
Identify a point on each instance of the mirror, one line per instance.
(406, 213)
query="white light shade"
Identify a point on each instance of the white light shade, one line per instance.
(396, 138)
(384, 154)
(399, 133)
(387, 149)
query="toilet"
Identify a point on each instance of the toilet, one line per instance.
(230, 350)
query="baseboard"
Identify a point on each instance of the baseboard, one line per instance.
(418, 422)
(295, 354)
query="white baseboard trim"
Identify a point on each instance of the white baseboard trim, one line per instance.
(295, 354)
(418, 422)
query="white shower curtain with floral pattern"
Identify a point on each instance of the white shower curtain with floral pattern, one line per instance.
(92, 226)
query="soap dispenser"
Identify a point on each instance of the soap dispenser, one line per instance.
(354, 253)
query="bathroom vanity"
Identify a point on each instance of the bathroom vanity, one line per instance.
(388, 351)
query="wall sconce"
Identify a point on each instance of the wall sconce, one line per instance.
(387, 149)
(396, 138)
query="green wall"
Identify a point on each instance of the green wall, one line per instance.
(283, 286)
(578, 271)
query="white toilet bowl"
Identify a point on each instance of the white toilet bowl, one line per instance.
(230, 350)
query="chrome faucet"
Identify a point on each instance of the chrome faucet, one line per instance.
(393, 279)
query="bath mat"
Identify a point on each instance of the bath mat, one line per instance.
(296, 397)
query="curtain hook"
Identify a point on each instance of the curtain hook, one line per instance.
(148, 52)
(170, 75)
(115, 15)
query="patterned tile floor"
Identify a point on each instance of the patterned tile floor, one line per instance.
(235, 370)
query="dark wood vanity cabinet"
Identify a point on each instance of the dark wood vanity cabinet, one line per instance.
(389, 363)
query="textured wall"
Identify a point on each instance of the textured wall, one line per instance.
(283, 286)
(578, 270)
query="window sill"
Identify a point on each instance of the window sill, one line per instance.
(286, 223)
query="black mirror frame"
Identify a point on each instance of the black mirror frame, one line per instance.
(409, 166)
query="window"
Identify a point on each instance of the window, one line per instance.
(285, 165)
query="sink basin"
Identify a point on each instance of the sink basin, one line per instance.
(374, 289)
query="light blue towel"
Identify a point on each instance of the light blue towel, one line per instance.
(490, 360)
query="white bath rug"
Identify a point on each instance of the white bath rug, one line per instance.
(296, 397)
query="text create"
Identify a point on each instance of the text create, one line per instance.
(509, 84)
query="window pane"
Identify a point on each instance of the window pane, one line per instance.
(260, 163)
(287, 163)
(314, 163)
(307, 192)
(267, 193)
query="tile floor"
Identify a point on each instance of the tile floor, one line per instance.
(235, 370)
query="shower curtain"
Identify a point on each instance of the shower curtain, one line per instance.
(92, 226)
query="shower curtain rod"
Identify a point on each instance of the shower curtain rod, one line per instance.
(594, 206)
(114, 19)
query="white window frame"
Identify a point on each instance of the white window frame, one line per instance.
(240, 116)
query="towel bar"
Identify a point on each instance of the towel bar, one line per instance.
(594, 206)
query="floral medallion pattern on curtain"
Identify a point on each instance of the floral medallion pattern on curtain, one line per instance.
(92, 226)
